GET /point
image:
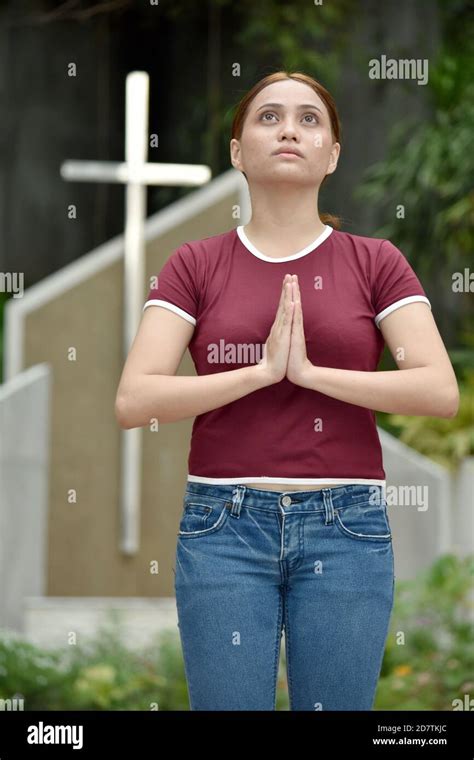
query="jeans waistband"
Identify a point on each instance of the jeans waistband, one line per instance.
(337, 496)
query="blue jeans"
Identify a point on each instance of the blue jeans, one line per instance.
(251, 562)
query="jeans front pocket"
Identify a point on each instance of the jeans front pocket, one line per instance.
(364, 521)
(202, 515)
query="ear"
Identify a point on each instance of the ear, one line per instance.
(334, 157)
(235, 154)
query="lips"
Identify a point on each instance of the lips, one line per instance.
(289, 150)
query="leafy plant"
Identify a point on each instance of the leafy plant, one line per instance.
(429, 169)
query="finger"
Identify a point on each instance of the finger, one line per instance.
(285, 314)
(281, 302)
(297, 327)
(279, 312)
(295, 294)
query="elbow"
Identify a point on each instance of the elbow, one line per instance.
(122, 412)
(129, 415)
(451, 403)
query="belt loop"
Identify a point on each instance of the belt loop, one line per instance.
(328, 506)
(238, 494)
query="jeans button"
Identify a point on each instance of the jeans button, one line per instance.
(286, 501)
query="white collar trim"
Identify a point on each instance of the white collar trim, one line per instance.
(250, 246)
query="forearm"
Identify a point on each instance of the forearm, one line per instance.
(169, 398)
(415, 391)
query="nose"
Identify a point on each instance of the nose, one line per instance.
(288, 129)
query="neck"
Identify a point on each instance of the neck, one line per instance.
(285, 216)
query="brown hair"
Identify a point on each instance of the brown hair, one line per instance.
(326, 97)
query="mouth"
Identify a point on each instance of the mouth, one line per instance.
(288, 153)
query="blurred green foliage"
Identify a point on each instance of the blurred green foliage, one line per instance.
(430, 163)
(429, 655)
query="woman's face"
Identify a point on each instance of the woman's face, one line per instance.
(286, 114)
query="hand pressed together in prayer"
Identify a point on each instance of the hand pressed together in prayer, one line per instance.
(285, 349)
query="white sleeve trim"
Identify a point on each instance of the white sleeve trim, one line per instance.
(171, 307)
(402, 302)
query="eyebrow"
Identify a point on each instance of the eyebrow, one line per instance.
(280, 105)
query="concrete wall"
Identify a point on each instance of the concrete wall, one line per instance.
(24, 471)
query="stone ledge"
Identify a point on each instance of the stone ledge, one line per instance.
(50, 621)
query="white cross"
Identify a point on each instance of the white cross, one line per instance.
(136, 174)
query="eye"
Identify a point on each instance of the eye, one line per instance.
(270, 113)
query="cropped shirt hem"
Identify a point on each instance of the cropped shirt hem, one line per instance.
(302, 481)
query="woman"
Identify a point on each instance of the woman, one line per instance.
(284, 523)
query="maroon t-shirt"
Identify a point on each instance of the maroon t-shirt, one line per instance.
(283, 433)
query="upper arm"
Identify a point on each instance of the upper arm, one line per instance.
(158, 347)
(413, 339)
(403, 315)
